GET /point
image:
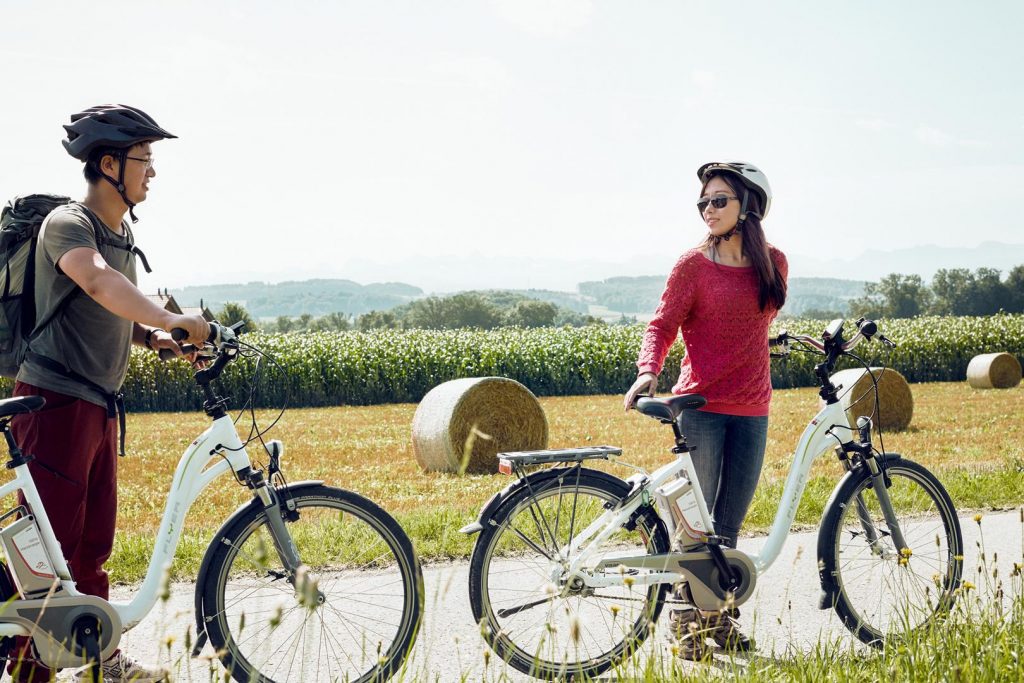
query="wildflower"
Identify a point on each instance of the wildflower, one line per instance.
(615, 610)
(164, 593)
(574, 628)
(906, 552)
(968, 586)
(977, 518)
(275, 616)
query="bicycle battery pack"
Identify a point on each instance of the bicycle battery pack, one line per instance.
(680, 499)
(26, 555)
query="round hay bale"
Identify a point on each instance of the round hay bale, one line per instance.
(461, 425)
(858, 397)
(994, 371)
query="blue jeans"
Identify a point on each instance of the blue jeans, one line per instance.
(728, 451)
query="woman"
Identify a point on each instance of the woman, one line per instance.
(721, 296)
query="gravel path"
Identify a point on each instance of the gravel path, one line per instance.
(782, 615)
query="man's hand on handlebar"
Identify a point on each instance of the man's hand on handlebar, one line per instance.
(646, 384)
(195, 325)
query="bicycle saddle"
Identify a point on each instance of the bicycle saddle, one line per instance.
(21, 404)
(668, 409)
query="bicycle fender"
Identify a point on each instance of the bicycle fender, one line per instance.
(534, 480)
(827, 599)
(204, 567)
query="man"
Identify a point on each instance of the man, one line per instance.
(86, 289)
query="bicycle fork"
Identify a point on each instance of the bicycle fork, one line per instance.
(880, 483)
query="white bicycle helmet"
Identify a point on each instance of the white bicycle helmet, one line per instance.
(751, 177)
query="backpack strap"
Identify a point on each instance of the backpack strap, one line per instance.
(131, 240)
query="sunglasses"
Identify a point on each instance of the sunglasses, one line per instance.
(718, 202)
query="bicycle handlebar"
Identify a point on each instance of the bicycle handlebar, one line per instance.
(866, 329)
(167, 354)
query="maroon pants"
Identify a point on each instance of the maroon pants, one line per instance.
(75, 471)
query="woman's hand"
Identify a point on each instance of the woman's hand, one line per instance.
(646, 383)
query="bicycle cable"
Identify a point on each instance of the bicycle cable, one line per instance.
(255, 433)
(877, 411)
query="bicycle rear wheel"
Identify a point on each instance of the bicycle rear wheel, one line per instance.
(880, 590)
(352, 618)
(530, 615)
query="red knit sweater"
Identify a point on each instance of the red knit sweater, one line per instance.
(724, 331)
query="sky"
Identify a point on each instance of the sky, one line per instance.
(496, 143)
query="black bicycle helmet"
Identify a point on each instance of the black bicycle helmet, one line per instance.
(111, 126)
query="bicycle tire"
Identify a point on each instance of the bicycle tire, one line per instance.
(576, 634)
(364, 566)
(875, 608)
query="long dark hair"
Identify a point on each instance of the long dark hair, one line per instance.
(771, 288)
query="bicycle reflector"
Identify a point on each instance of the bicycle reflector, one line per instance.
(504, 466)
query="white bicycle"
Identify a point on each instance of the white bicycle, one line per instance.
(573, 565)
(305, 582)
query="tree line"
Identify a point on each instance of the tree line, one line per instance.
(953, 291)
(479, 310)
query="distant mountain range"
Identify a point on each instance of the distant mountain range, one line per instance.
(814, 283)
(610, 299)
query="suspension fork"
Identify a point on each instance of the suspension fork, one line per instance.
(267, 496)
(880, 483)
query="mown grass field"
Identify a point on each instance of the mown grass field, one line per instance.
(973, 439)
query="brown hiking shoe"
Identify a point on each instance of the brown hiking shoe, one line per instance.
(690, 631)
(726, 633)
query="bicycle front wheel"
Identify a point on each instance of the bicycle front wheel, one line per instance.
(880, 590)
(536, 618)
(352, 617)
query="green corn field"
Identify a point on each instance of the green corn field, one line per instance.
(400, 366)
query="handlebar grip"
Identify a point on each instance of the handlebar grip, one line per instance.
(168, 354)
(178, 333)
(868, 328)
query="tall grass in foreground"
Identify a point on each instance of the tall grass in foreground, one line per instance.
(981, 640)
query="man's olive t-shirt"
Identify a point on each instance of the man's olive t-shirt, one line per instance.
(83, 336)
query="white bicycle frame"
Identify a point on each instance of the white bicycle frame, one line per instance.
(814, 442)
(216, 451)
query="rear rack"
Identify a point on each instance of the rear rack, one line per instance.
(523, 458)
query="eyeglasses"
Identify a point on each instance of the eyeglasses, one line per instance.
(718, 202)
(148, 161)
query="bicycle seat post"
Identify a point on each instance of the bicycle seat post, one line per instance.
(17, 457)
(681, 445)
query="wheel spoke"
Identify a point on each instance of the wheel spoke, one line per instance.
(364, 583)
(540, 623)
(880, 594)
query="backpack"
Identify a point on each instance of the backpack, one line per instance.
(20, 221)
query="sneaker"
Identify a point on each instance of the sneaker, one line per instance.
(690, 630)
(123, 669)
(727, 634)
